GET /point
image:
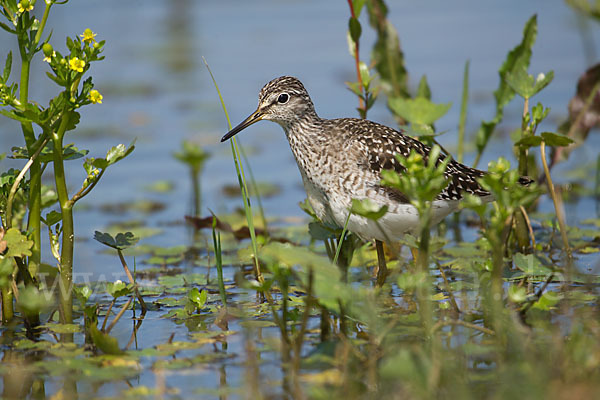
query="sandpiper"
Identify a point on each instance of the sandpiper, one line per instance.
(342, 159)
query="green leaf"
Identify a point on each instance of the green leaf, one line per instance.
(327, 286)
(387, 53)
(319, 231)
(543, 80)
(524, 84)
(106, 343)
(32, 301)
(423, 89)
(368, 209)
(531, 265)
(357, 5)
(82, 293)
(517, 58)
(17, 243)
(197, 297)
(62, 328)
(529, 141)
(52, 218)
(556, 140)
(517, 294)
(419, 110)
(193, 155)
(521, 82)
(118, 289)
(70, 152)
(119, 152)
(7, 67)
(7, 28)
(547, 301)
(364, 74)
(355, 29)
(122, 240)
(14, 115)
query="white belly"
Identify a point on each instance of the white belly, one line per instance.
(393, 225)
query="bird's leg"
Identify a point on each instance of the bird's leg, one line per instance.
(382, 271)
(415, 254)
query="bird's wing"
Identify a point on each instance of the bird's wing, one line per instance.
(379, 145)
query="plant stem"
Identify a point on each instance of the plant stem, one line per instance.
(261, 210)
(7, 305)
(132, 281)
(219, 264)
(424, 287)
(195, 175)
(462, 122)
(68, 234)
(557, 208)
(382, 267)
(35, 172)
(38, 35)
(361, 104)
(341, 240)
(118, 316)
(524, 133)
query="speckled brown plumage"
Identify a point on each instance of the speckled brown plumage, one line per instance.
(342, 159)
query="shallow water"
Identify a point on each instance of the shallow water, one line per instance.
(157, 90)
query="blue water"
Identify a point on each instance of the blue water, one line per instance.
(157, 90)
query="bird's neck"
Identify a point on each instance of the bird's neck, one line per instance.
(306, 128)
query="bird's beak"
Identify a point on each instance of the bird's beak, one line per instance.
(254, 117)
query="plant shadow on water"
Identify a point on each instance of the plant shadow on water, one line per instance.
(501, 302)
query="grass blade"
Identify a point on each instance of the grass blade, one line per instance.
(462, 122)
(241, 180)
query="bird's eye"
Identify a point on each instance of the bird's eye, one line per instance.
(283, 98)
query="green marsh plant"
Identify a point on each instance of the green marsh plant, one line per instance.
(44, 130)
(424, 179)
(497, 219)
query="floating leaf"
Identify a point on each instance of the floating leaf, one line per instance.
(62, 328)
(531, 265)
(197, 297)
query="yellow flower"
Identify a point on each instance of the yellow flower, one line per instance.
(76, 64)
(95, 96)
(24, 5)
(88, 36)
(49, 58)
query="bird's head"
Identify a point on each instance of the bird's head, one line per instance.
(283, 100)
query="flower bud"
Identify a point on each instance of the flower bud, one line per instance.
(47, 49)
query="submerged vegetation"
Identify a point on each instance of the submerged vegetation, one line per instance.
(500, 301)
